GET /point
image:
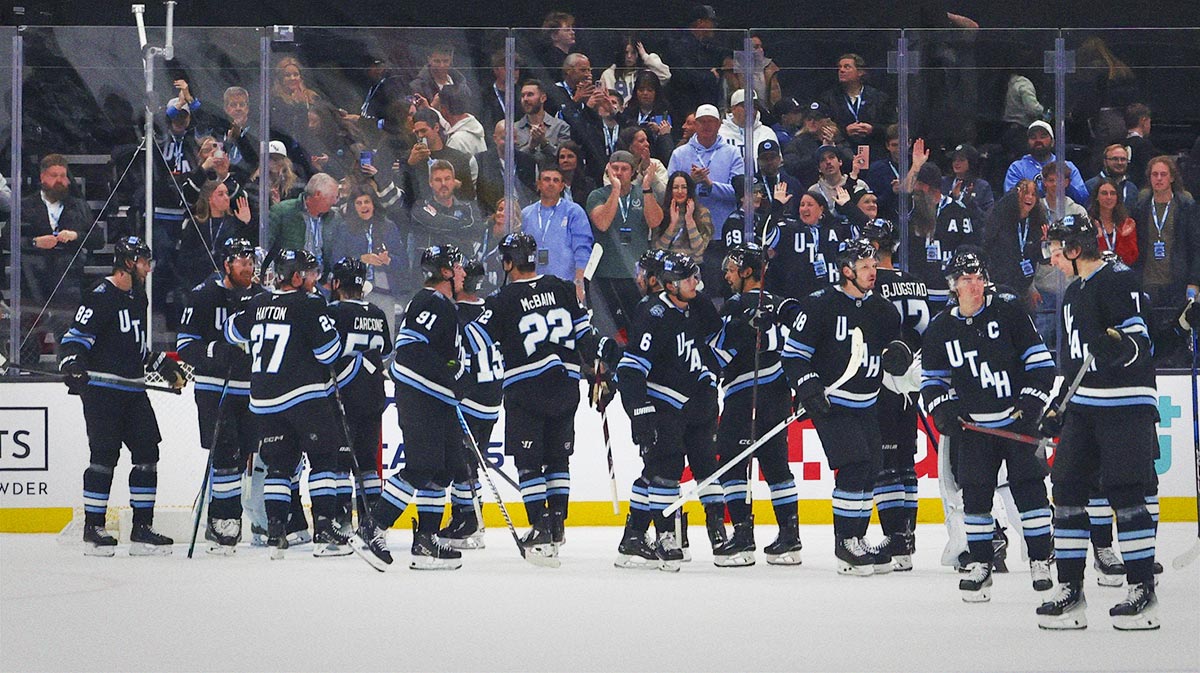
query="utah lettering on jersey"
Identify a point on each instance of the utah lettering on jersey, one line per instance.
(997, 380)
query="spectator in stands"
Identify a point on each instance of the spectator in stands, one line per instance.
(965, 185)
(732, 129)
(1137, 142)
(1116, 168)
(214, 218)
(1189, 169)
(234, 130)
(837, 187)
(1099, 90)
(444, 217)
(372, 238)
(281, 176)
(631, 60)
(307, 221)
(687, 225)
(537, 133)
(1041, 152)
(463, 131)
(331, 144)
(490, 188)
(562, 231)
(1050, 186)
(867, 204)
(790, 118)
(214, 165)
(1021, 108)
(1117, 231)
(695, 79)
(711, 165)
(687, 129)
(771, 173)
(493, 98)
(56, 235)
(558, 40)
(429, 148)
(574, 90)
(766, 74)
(386, 87)
(394, 143)
(1012, 241)
(290, 100)
(577, 183)
(1168, 235)
(883, 176)
(179, 148)
(861, 111)
(439, 72)
(649, 109)
(800, 154)
(596, 126)
(636, 141)
(623, 212)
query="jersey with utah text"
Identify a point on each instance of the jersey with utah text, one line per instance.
(805, 257)
(292, 341)
(927, 254)
(366, 341)
(668, 358)
(107, 334)
(209, 305)
(987, 360)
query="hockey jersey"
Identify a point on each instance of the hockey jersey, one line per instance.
(366, 341)
(485, 391)
(734, 345)
(804, 259)
(927, 254)
(429, 353)
(108, 336)
(292, 341)
(819, 343)
(668, 357)
(209, 305)
(987, 361)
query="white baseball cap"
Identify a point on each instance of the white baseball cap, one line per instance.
(276, 147)
(707, 110)
(1039, 124)
(738, 97)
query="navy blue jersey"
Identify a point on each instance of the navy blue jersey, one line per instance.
(804, 259)
(927, 254)
(485, 391)
(107, 334)
(910, 296)
(987, 361)
(429, 355)
(203, 323)
(668, 358)
(366, 341)
(734, 344)
(293, 341)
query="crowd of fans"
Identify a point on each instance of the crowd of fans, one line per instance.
(641, 148)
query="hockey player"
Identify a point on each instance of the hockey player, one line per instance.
(366, 341)
(984, 362)
(480, 408)
(895, 492)
(542, 332)
(817, 352)
(427, 370)
(222, 387)
(756, 398)
(804, 248)
(106, 336)
(1108, 428)
(292, 341)
(668, 388)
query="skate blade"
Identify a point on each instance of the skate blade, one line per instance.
(672, 566)
(791, 558)
(542, 561)
(902, 563)
(1110, 580)
(1066, 622)
(465, 543)
(430, 563)
(95, 550)
(883, 568)
(855, 571)
(298, 538)
(360, 548)
(999, 567)
(687, 555)
(632, 562)
(146, 549)
(277, 554)
(330, 550)
(221, 550)
(1147, 621)
(742, 559)
(1043, 585)
(981, 596)
(543, 550)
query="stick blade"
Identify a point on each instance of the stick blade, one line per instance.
(1186, 558)
(540, 561)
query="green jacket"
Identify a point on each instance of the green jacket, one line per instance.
(287, 228)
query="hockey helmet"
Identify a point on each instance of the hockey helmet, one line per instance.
(130, 249)
(475, 274)
(882, 232)
(747, 256)
(438, 257)
(677, 266)
(1073, 230)
(964, 262)
(849, 252)
(350, 272)
(292, 262)
(651, 262)
(520, 249)
(236, 247)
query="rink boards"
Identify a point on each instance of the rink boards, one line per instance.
(43, 452)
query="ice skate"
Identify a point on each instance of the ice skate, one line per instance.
(1066, 609)
(462, 534)
(852, 558)
(976, 587)
(1139, 610)
(999, 550)
(330, 540)
(881, 557)
(277, 540)
(714, 524)
(1039, 571)
(785, 550)
(429, 553)
(737, 551)
(635, 553)
(98, 542)
(540, 539)
(145, 542)
(224, 534)
(669, 553)
(370, 543)
(1110, 570)
(902, 547)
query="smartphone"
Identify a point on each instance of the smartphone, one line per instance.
(366, 157)
(865, 152)
(218, 153)
(424, 141)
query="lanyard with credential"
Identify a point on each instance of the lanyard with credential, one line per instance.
(1111, 240)
(623, 205)
(542, 225)
(1159, 224)
(854, 105)
(1022, 234)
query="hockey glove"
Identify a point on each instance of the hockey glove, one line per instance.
(1026, 412)
(896, 358)
(609, 353)
(224, 354)
(947, 418)
(811, 394)
(76, 374)
(1051, 425)
(763, 320)
(170, 370)
(644, 426)
(601, 392)
(1189, 319)
(1114, 349)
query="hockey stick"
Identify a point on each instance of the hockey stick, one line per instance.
(99, 377)
(997, 432)
(206, 484)
(1187, 557)
(857, 349)
(543, 561)
(754, 391)
(340, 408)
(602, 407)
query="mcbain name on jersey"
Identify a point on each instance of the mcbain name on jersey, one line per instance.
(538, 300)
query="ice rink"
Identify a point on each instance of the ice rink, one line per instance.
(62, 611)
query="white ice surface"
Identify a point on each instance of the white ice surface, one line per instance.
(62, 611)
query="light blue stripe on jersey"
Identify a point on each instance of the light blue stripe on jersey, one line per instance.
(676, 404)
(183, 339)
(232, 335)
(478, 336)
(328, 353)
(749, 384)
(1037, 357)
(256, 408)
(114, 386)
(796, 349)
(634, 361)
(1129, 401)
(1134, 325)
(82, 338)
(343, 381)
(406, 336)
(409, 378)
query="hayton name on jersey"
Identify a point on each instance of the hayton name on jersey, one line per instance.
(275, 313)
(538, 300)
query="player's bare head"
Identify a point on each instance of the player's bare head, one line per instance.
(442, 264)
(744, 262)
(237, 262)
(131, 255)
(1069, 241)
(297, 270)
(680, 276)
(857, 261)
(518, 252)
(348, 278)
